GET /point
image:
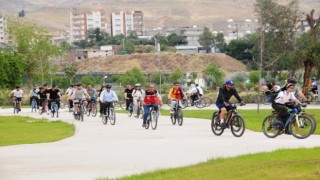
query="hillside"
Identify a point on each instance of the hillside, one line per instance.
(158, 13)
(168, 63)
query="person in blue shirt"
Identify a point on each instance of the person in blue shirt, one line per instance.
(107, 97)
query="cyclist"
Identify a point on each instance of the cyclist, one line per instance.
(297, 91)
(42, 96)
(285, 95)
(78, 95)
(53, 94)
(150, 98)
(225, 93)
(136, 94)
(69, 93)
(92, 93)
(98, 99)
(314, 86)
(34, 95)
(193, 93)
(176, 93)
(128, 96)
(107, 97)
(17, 95)
(199, 89)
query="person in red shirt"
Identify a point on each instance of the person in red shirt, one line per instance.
(176, 93)
(150, 98)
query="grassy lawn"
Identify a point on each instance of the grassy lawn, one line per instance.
(25, 130)
(252, 119)
(280, 164)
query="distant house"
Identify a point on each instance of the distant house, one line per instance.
(103, 52)
(187, 49)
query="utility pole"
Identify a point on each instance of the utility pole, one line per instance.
(260, 64)
(158, 52)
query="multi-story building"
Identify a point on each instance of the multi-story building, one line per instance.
(3, 25)
(122, 22)
(81, 22)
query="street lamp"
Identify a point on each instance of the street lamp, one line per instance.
(158, 52)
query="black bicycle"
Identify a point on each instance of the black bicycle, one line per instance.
(15, 105)
(130, 109)
(300, 126)
(92, 108)
(110, 113)
(233, 121)
(44, 106)
(177, 114)
(152, 118)
(140, 110)
(33, 104)
(81, 110)
(54, 107)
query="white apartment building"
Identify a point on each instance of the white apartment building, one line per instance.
(122, 22)
(96, 19)
(3, 25)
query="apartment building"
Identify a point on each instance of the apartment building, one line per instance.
(122, 22)
(3, 25)
(81, 22)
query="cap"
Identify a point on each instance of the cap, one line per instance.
(229, 82)
(138, 84)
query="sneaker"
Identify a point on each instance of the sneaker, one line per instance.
(223, 125)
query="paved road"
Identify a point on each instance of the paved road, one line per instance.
(99, 150)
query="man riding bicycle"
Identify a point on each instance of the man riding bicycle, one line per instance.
(136, 94)
(107, 97)
(193, 93)
(150, 98)
(69, 92)
(78, 95)
(92, 93)
(176, 93)
(17, 95)
(128, 96)
(53, 94)
(34, 95)
(42, 96)
(225, 93)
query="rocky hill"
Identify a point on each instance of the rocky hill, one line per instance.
(167, 63)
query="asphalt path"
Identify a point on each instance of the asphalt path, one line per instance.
(98, 150)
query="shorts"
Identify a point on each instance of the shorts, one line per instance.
(76, 101)
(221, 105)
(18, 98)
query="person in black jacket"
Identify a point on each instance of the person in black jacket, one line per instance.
(225, 93)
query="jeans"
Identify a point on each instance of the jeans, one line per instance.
(147, 109)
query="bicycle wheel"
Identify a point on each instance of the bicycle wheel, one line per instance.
(173, 119)
(270, 126)
(89, 110)
(200, 103)
(180, 117)
(112, 116)
(237, 126)
(14, 108)
(148, 122)
(94, 110)
(154, 119)
(141, 113)
(122, 105)
(208, 101)
(81, 113)
(56, 110)
(302, 127)
(215, 125)
(104, 119)
(184, 103)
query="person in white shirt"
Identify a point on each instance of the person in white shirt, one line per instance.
(69, 92)
(137, 95)
(107, 97)
(285, 96)
(34, 95)
(193, 93)
(17, 94)
(199, 90)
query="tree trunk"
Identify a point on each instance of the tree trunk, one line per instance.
(308, 65)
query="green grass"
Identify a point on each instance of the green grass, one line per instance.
(281, 164)
(25, 130)
(253, 120)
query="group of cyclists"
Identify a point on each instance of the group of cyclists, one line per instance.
(151, 97)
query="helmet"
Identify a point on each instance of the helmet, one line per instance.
(138, 84)
(108, 85)
(229, 82)
(292, 80)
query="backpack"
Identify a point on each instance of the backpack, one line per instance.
(274, 95)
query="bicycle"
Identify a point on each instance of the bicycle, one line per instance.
(92, 109)
(311, 96)
(111, 115)
(233, 121)
(130, 109)
(300, 126)
(33, 104)
(199, 103)
(15, 105)
(208, 101)
(54, 108)
(44, 106)
(81, 110)
(177, 113)
(152, 118)
(140, 110)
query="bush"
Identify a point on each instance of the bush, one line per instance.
(240, 77)
(4, 97)
(254, 77)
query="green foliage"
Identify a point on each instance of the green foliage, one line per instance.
(214, 75)
(70, 71)
(206, 39)
(254, 77)
(133, 76)
(92, 80)
(282, 76)
(240, 77)
(173, 40)
(61, 81)
(177, 75)
(220, 42)
(155, 78)
(129, 46)
(4, 97)
(241, 49)
(12, 69)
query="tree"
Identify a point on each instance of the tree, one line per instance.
(214, 73)
(176, 75)
(132, 35)
(33, 44)
(206, 39)
(155, 78)
(133, 76)
(128, 46)
(12, 70)
(70, 72)
(240, 49)
(219, 42)
(173, 40)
